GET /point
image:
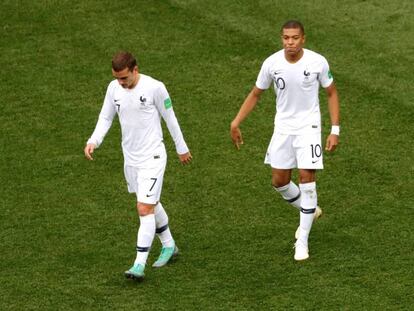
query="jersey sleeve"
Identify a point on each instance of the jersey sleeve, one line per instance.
(164, 106)
(325, 77)
(105, 119)
(264, 79)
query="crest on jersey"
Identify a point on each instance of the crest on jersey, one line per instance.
(142, 100)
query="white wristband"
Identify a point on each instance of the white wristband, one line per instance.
(335, 130)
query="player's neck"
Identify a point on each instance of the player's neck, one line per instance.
(294, 58)
(137, 77)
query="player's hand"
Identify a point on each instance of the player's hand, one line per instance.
(185, 158)
(89, 149)
(236, 136)
(331, 142)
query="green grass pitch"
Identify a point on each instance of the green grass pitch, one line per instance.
(68, 226)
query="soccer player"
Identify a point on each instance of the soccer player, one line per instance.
(295, 73)
(140, 101)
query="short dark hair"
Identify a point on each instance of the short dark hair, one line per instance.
(293, 24)
(122, 60)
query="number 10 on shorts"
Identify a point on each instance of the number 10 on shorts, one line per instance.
(316, 151)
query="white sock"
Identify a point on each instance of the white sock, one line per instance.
(162, 228)
(308, 205)
(146, 233)
(290, 193)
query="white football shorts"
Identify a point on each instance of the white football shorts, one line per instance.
(295, 151)
(146, 180)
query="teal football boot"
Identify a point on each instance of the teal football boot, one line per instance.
(166, 254)
(136, 272)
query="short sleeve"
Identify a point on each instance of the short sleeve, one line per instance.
(325, 77)
(264, 79)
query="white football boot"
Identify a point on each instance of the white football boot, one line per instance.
(301, 251)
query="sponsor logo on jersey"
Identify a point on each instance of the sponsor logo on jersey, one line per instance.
(330, 76)
(277, 72)
(167, 103)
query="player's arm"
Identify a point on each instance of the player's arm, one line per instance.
(333, 106)
(102, 127)
(164, 106)
(247, 107)
(171, 121)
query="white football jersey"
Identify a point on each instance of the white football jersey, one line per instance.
(296, 87)
(139, 111)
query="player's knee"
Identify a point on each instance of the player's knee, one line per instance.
(280, 178)
(307, 176)
(278, 182)
(145, 209)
